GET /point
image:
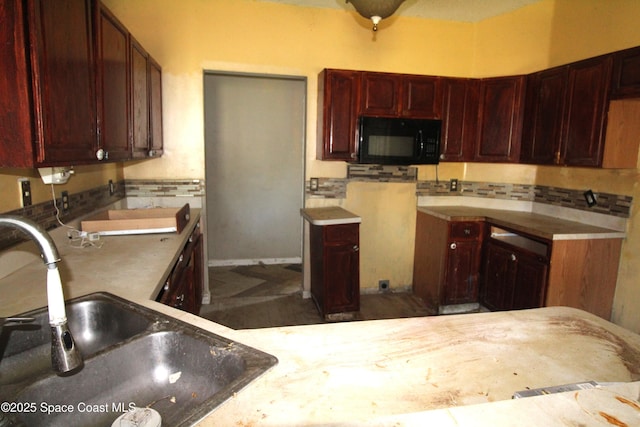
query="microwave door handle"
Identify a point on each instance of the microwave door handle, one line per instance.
(421, 141)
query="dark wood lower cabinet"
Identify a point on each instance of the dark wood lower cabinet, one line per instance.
(513, 278)
(184, 286)
(335, 269)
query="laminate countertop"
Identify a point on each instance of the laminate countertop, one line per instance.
(544, 226)
(130, 266)
(457, 370)
(330, 215)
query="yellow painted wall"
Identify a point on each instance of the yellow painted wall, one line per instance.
(85, 178)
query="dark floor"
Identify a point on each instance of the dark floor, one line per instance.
(262, 296)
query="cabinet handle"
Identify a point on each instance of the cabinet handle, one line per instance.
(100, 154)
(513, 257)
(356, 248)
(453, 246)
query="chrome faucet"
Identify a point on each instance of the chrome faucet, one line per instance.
(65, 356)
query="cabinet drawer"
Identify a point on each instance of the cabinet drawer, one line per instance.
(341, 233)
(465, 230)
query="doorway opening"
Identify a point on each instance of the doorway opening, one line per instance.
(254, 167)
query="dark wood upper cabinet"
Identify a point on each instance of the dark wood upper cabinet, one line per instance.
(338, 111)
(586, 106)
(113, 87)
(400, 95)
(421, 97)
(16, 112)
(66, 85)
(500, 119)
(544, 110)
(566, 114)
(140, 100)
(459, 119)
(626, 74)
(381, 94)
(64, 88)
(156, 143)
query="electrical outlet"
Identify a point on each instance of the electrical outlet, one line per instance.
(383, 285)
(25, 191)
(65, 202)
(590, 198)
(453, 184)
(314, 184)
(112, 188)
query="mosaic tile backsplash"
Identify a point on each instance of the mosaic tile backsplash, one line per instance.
(88, 201)
(608, 204)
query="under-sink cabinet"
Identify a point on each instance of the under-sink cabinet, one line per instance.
(184, 286)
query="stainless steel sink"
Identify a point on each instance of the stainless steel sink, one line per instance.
(133, 356)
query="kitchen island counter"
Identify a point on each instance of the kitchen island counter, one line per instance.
(445, 370)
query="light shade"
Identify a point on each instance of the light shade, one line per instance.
(371, 8)
(376, 10)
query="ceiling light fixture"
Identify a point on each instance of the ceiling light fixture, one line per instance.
(376, 10)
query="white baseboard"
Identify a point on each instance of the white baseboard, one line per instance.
(268, 261)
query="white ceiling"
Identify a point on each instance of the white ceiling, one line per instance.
(448, 10)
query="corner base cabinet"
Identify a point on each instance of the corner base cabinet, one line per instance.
(335, 269)
(447, 263)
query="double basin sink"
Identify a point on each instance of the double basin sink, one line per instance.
(133, 357)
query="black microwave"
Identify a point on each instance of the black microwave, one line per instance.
(398, 141)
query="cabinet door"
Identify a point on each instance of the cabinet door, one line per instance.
(587, 95)
(16, 148)
(544, 111)
(421, 98)
(461, 275)
(139, 100)
(155, 109)
(342, 278)
(381, 94)
(529, 281)
(338, 111)
(64, 81)
(626, 74)
(459, 119)
(500, 119)
(498, 278)
(113, 89)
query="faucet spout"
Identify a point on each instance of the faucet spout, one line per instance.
(65, 356)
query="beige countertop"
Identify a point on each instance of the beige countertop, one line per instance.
(133, 267)
(441, 370)
(444, 370)
(546, 227)
(331, 215)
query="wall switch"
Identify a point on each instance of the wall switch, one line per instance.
(453, 184)
(65, 202)
(25, 191)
